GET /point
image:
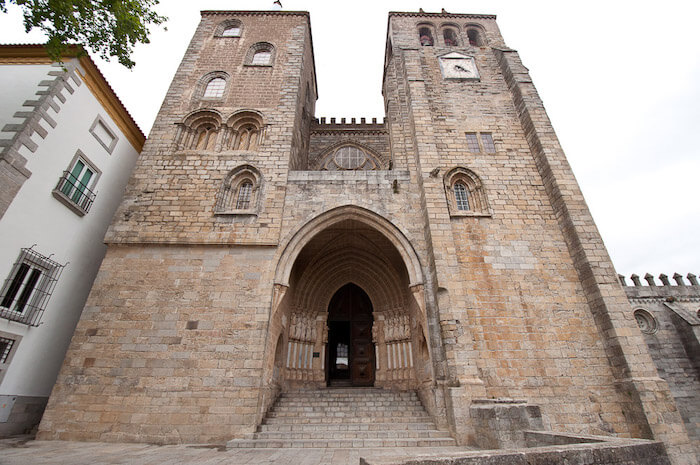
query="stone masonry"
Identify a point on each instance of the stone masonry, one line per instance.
(214, 297)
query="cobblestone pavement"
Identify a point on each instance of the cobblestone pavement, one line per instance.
(28, 452)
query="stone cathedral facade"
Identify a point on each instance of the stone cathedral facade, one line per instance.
(447, 250)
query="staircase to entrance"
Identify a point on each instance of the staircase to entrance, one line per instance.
(347, 418)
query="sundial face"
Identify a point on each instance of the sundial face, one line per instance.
(458, 66)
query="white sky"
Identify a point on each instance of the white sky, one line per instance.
(620, 81)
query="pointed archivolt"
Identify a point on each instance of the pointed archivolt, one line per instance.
(350, 156)
(350, 212)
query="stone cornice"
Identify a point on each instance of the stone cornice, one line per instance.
(440, 15)
(254, 13)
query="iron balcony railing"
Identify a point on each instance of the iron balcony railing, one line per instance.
(75, 191)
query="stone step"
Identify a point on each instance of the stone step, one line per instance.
(343, 410)
(323, 401)
(340, 443)
(335, 420)
(332, 427)
(328, 435)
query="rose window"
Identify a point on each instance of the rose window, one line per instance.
(350, 158)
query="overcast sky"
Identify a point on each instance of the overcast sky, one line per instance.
(620, 81)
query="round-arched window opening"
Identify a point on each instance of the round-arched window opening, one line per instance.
(215, 88)
(698, 314)
(646, 321)
(426, 36)
(262, 57)
(232, 31)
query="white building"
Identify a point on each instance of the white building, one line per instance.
(67, 148)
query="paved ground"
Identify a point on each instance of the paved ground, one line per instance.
(28, 452)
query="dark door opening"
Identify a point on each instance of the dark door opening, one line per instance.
(350, 348)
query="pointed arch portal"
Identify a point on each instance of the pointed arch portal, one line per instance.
(348, 306)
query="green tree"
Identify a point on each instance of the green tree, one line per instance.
(107, 27)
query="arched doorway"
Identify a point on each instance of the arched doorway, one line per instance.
(349, 268)
(350, 349)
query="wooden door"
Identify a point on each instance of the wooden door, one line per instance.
(352, 306)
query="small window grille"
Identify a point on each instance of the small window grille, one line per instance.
(28, 287)
(5, 348)
(262, 58)
(472, 142)
(243, 199)
(461, 196)
(233, 31)
(487, 142)
(215, 88)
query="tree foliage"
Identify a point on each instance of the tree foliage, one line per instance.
(107, 27)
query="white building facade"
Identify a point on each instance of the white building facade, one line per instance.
(67, 149)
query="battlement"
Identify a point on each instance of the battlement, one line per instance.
(321, 124)
(649, 278)
(666, 290)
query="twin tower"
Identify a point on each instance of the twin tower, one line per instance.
(447, 249)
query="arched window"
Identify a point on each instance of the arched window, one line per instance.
(350, 157)
(229, 28)
(246, 130)
(240, 192)
(461, 196)
(231, 31)
(215, 88)
(475, 36)
(243, 197)
(211, 87)
(450, 37)
(206, 138)
(199, 131)
(262, 58)
(260, 54)
(425, 35)
(465, 193)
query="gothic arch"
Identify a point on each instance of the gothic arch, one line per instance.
(308, 231)
(373, 160)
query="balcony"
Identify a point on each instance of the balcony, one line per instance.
(74, 194)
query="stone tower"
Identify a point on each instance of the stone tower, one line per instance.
(447, 250)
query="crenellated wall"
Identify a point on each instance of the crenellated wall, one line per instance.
(668, 314)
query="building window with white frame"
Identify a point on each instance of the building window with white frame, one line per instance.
(28, 287)
(75, 187)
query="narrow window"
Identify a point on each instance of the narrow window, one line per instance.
(232, 31)
(450, 37)
(5, 348)
(75, 185)
(487, 142)
(461, 196)
(262, 57)
(215, 88)
(243, 199)
(28, 287)
(474, 37)
(472, 142)
(426, 37)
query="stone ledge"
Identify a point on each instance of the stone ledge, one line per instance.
(609, 451)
